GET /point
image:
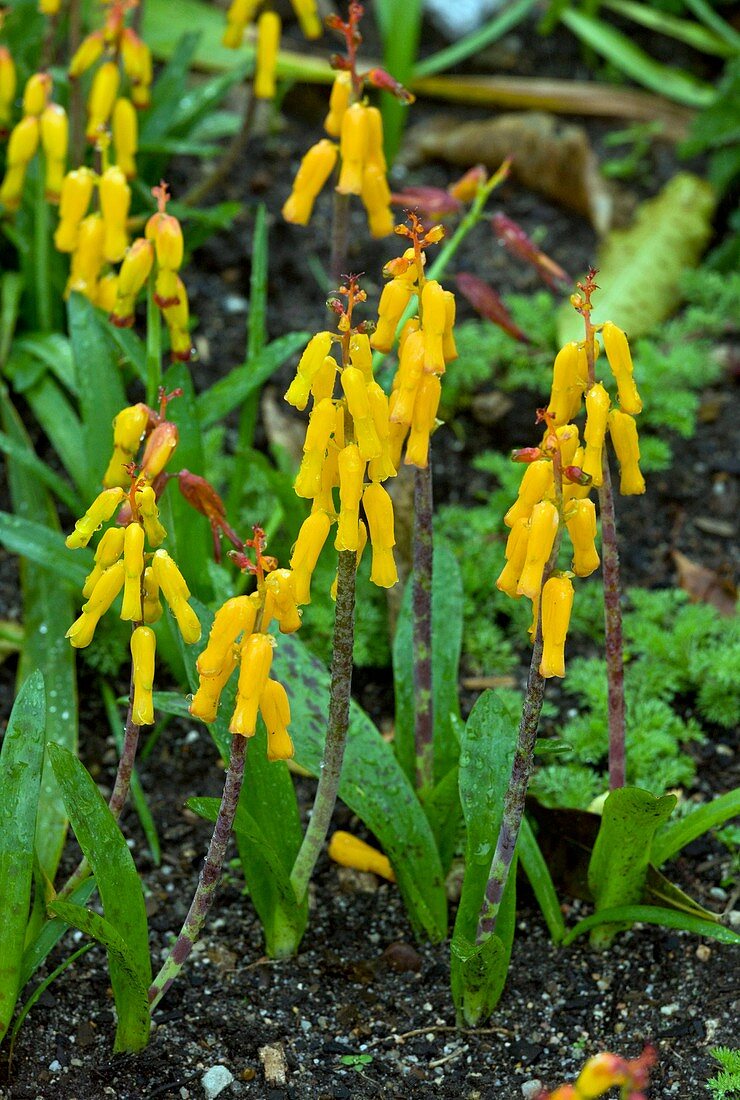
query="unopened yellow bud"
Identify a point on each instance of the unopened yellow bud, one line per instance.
(618, 355)
(597, 410)
(128, 428)
(237, 616)
(393, 302)
(204, 704)
(315, 169)
(152, 605)
(109, 584)
(159, 449)
(275, 711)
(568, 439)
(310, 364)
(623, 432)
(108, 551)
(351, 475)
(125, 130)
(534, 487)
(581, 524)
(408, 378)
(256, 659)
(115, 199)
(55, 133)
(143, 647)
(566, 393)
(516, 555)
(77, 189)
(341, 92)
(308, 17)
(358, 403)
(434, 306)
(308, 546)
(268, 44)
(280, 601)
(176, 593)
(376, 198)
(350, 851)
(557, 601)
(423, 420)
(36, 94)
(379, 511)
(103, 95)
(133, 559)
(8, 85)
(99, 512)
(87, 53)
(352, 148)
(24, 141)
(542, 531)
(324, 380)
(146, 501)
(168, 242)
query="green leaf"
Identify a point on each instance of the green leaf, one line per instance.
(44, 547)
(684, 30)
(442, 807)
(105, 849)
(54, 351)
(11, 288)
(640, 268)
(635, 63)
(23, 455)
(50, 934)
(129, 990)
(43, 986)
(540, 880)
(618, 867)
(99, 385)
(492, 31)
(627, 915)
(661, 892)
(478, 971)
(447, 623)
(132, 349)
(227, 394)
(677, 834)
(62, 426)
(165, 24)
(400, 26)
(170, 85)
(21, 761)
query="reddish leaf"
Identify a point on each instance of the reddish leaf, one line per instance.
(705, 585)
(486, 301)
(432, 201)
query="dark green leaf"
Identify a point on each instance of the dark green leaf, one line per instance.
(54, 351)
(492, 31)
(537, 872)
(169, 87)
(23, 455)
(132, 349)
(44, 547)
(11, 287)
(659, 891)
(677, 834)
(51, 933)
(226, 395)
(21, 761)
(61, 424)
(626, 915)
(442, 807)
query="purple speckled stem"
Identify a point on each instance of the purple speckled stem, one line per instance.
(339, 239)
(613, 630)
(422, 631)
(209, 875)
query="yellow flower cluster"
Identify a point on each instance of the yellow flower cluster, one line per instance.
(362, 170)
(120, 51)
(44, 124)
(93, 237)
(549, 501)
(348, 439)
(242, 12)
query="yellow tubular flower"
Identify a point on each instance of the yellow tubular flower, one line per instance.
(341, 91)
(132, 275)
(87, 258)
(128, 428)
(24, 141)
(349, 851)
(569, 442)
(535, 485)
(256, 659)
(324, 380)
(8, 85)
(383, 466)
(358, 402)
(374, 149)
(125, 131)
(543, 528)
(352, 148)
(376, 198)
(237, 616)
(393, 302)
(280, 601)
(310, 364)
(434, 308)
(77, 189)
(176, 593)
(623, 432)
(379, 511)
(275, 711)
(204, 704)
(54, 139)
(351, 474)
(103, 95)
(423, 420)
(308, 17)
(565, 396)
(115, 199)
(361, 355)
(87, 53)
(618, 355)
(316, 167)
(109, 551)
(408, 378)
(36, 93)
(133, 559)
(308, 546)
(581, 524)
(159, 449)
(516, 555)
(268, 44)
(99, 512)
(557, 601)
(104, 593)
(152, 606)
(449, 348)
(143, 646)
(146, 500)
(571, 490)
(106, 292)
(597, 410)
(239, 14)
(321, 425)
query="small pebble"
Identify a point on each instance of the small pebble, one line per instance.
(532, 1088)
(55, 1066)
(718, 893)
(234, 303)
(669, 1010)
(703, 953)
(215, 1080)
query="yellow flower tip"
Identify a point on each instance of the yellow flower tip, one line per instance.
(620, 361)
(624, 437)
(280, 602)
(99, 512)
(315, 169)
(275, 710)
(597, 411)
(581, 525)
(543, 528)
(133, 558)
(393, 301)
(102, 98)
(87, 53)
(152, 604)
(567, 386)
(352, 148)
(159, 449)
(516, 555)
(536, 484)
(557, 602)
(341, 92)
(36, 94)
(311, 362)
(309, 544)
(109, 551)
(176, 593)
(379, 512)
(125, 132)
(307, 14)
(268, 44)
(143, 646)
(350, 851)
(54, 133)
(256, 660)
(205, 702)
(237, 616)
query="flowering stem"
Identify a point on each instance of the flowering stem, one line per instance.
(41, 250)
(229, 160)
(209, 875)
(336, 728)
(422, 630)
(153, 346)
(339, 238)
(613, 630)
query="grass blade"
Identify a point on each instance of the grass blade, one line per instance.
(44, 547)
(677, 834)
(24, 456)
(226, 395)
(652, 914)
(400, 23)
(683, 30)
(473, 43)
(537, 872)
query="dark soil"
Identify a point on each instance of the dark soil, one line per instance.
(360, 985)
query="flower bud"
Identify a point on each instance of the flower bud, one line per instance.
(352, 149)
(8, 84)
(109, 551)
(103, 94)
(143, 646)
(256, 659)
(310, 364)
(379, 511)
(597, 410)
(535, 485)
(204, 704)
(315, 169)
(237, 616)
(146, 501)
(350, 851)
(128, 428)
(557, 601)
(623, 432)
(565, 396)
(239, 14)
(581, 524)
(77, 189)
(618, 355)
(423, 420)
(376, 198)
(268, 44)
(308, 17)
(280, 601)
(81, 632)
(324, 380)
(115, 199)
(152, 605)
(133, 559)
(99, 512)
(54, 138)
(308, 546)
(393, 302)
(159, 449)
(176, 593)
(568, 440)
(87, 258)
(542, 531)
(36, 94)
(351, 475)
(516, 555)
(275, 711)
(87, 53)
(341, 91)
(166, 232)
(434, 308)
(125, 131)
(361, 355)
(24, 141)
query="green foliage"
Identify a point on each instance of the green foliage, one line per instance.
(725, 1085)
(716, 131)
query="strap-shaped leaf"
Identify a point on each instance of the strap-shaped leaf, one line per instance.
(626, 915)
(226, 395)
(45, 547)
(677, 834)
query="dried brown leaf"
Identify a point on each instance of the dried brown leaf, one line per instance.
(705, 585)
